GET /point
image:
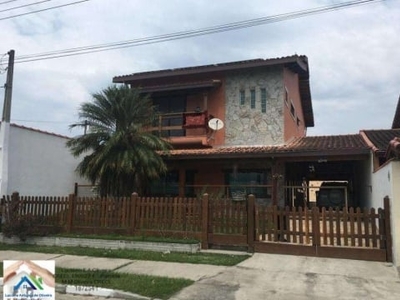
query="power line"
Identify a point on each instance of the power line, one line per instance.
(5, 2)
(25, 5)
(189, 33)
(44, 9)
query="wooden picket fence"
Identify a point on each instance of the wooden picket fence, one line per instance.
(356, 233)
(172, 217)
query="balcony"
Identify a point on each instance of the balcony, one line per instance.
(184, 129)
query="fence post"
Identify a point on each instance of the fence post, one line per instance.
(76, 189)
(12, 207)
(316, 231)
(250, 222)
(388, 230)
(71, 208)
(134, 200)
(204, 219)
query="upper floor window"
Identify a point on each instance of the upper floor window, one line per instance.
(170, 109)
(286, 96)
(292, 110)
(242, 97)
(253, 98)
(263, 100)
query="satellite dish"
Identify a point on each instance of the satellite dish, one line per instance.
(215, 124)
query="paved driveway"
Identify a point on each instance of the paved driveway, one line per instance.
(266, 276)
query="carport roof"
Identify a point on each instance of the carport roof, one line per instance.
(317, 146)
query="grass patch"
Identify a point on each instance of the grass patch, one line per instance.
(149, 286)
(193, 258)
(130, 238)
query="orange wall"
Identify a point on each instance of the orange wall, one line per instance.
(215, 106)
(291, 128)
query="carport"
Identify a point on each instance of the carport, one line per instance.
(343, 158)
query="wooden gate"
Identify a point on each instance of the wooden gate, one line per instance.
(354, 234)
(226, 223)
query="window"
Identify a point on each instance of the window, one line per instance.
(242, 97)
(286, 96)
(292, 110)
(172, 109)
(263, 100)
(167, 185)
(249, 182)
(253, 98)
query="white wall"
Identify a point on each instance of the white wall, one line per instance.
(381, 185)
(40, 164)
(395, 207)
(386, 182)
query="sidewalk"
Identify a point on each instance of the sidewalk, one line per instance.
(156, 268)
(193, 272)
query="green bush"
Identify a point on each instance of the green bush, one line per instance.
(27, 225)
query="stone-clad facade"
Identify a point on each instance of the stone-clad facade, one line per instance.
(247, 125)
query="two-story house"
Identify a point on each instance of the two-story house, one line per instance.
(241, 124)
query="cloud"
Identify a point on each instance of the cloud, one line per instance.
(352, 53)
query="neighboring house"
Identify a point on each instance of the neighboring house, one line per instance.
(265, 107)
(384, 174)
(38, 163)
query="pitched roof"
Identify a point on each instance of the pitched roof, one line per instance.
(338, 145)
(396, 119)
(380, 139)
(39, 131)
(301, 61)
(296, 63)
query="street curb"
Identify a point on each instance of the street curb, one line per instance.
(97, 291)
(94, 291)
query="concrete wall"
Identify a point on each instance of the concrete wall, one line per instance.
(251, 126)
(381, 185)
(385, 182)
(40, 164)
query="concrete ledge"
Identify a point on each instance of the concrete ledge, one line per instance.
(103, 244)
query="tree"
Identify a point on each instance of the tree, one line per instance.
(121, 155)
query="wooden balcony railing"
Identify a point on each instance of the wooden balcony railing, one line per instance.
(179, 122)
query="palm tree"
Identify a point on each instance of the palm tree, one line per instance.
(121, 155)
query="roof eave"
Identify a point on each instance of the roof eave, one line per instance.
(299, 60)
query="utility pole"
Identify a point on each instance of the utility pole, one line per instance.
(8, 88)
(5, 125)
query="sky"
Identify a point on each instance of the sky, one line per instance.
(353, 53)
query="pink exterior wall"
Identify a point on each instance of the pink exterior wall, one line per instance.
(291, 126)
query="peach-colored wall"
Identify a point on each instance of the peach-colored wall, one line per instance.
(215, 105)
(291, 128)
(216, 108)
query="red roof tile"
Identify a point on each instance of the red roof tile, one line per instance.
(40, 131)
(381, 138)
(309, 146)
